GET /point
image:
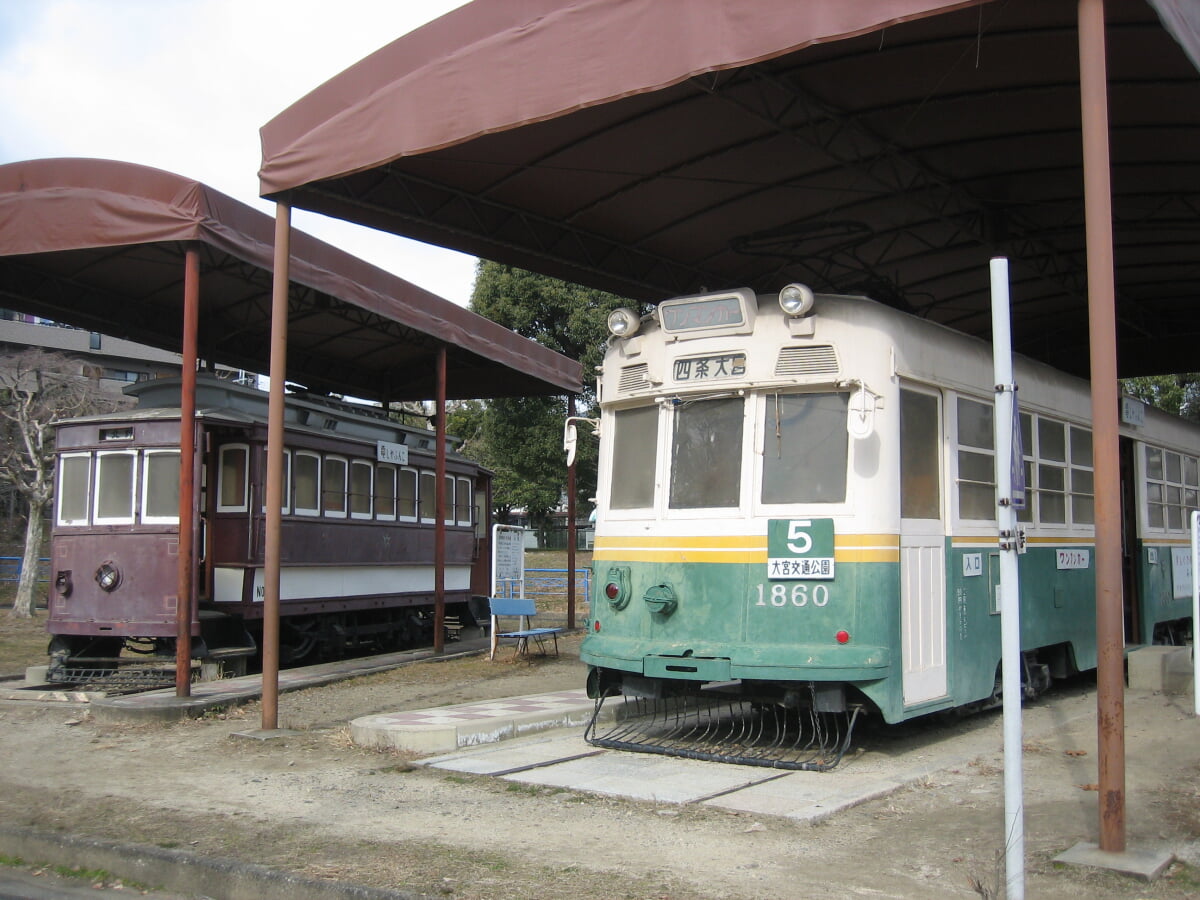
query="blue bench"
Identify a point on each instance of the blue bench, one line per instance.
(521, 608)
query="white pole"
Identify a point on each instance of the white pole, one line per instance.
(1010, 596)
(1195, 610)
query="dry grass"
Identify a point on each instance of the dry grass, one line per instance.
(22, 641)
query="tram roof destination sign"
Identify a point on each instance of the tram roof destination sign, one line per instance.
(658, 148)
(99, 244)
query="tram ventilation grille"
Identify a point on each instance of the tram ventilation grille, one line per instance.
(819, 360)
(634, 378)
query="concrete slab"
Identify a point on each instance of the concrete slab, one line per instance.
(507, 757)
(447, 728)
(645, 776)
(1145, 864)
(1166, 669)
(808, 796)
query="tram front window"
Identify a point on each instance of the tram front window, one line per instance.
(804, 448)
(635, 452)
(706, 456)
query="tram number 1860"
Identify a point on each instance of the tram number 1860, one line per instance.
(797, 594)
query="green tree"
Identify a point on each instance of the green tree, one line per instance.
(522, 438)
(1176, 394)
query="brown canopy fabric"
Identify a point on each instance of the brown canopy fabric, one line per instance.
(658, 147)
(99, 245)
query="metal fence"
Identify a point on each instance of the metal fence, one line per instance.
(550, 584)
(10, 568)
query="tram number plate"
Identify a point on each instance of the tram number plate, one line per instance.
(798, 595)
(800, 549)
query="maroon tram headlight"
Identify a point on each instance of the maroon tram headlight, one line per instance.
(108, 576)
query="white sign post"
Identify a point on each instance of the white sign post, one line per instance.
(1010, 595)
(508, 569)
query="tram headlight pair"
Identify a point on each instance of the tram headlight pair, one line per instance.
(796, 300)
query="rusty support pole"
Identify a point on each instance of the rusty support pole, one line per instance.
(1110, 643)
(274, 491)
(571, 537)
(185, 600)
(439, 539)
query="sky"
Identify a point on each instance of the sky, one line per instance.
(185, 85)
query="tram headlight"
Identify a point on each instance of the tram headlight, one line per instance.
(108, 576)
(796, 299)
(623, 322)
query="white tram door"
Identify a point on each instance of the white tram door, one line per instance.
(922, 548)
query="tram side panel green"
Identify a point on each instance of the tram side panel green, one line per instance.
(1156, 583)
(1057, 608)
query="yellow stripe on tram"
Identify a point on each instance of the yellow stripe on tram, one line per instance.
(734, 548)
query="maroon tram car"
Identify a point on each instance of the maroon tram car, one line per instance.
(357, 534)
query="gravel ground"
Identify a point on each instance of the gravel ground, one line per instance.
(317, 805)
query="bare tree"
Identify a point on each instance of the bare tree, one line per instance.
(38, 389)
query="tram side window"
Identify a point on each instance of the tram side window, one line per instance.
(160, 488)
(362, 480)
(1171, 488)
(635, 458)
(1083, 490)
(706, 455)
(116, 478)
(232, 478)
(406, 495)
(308, 481)
(920, 481)
(448, 490)
(385, 493)
(976, 461)
(1025, 514)
(74, 488)
(804, 448)
(481, 518)
(333, 487)
(428, 497)
(1052, 473)
(462, 496)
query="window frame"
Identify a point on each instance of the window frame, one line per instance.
(97, 519)
(89, 456)
(328, 490)
(145, 487)
(297, 509)
(244, 506)
(358, 465)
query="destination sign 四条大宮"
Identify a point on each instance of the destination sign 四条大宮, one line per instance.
(705, 368)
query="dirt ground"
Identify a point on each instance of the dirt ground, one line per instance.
(318, 805)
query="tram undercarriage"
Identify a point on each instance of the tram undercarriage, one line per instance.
(229, 647)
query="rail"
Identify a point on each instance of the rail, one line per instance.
(10, 568)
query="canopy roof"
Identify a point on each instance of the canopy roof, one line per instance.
(100, 245)
(890, 147)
